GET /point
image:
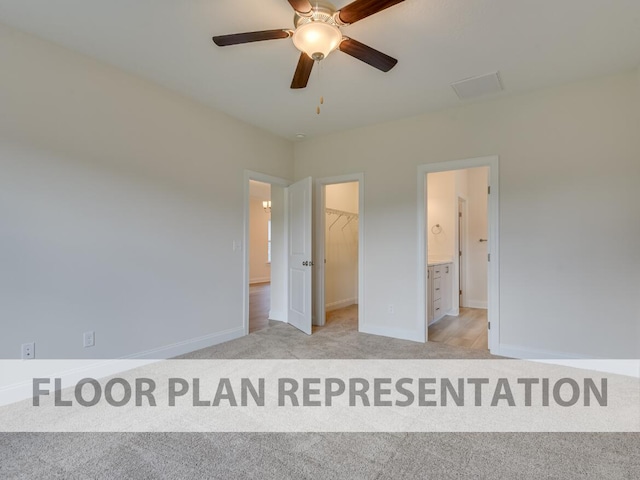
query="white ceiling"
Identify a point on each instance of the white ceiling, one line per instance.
(533, 43)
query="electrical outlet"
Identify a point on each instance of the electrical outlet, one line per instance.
(390, 309)
(88, 339)
(28, 351)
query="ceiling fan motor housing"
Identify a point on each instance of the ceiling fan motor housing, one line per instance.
(322, 11)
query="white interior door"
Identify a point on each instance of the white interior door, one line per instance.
(299, 255)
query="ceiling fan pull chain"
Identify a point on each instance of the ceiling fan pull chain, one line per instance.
(320, 68)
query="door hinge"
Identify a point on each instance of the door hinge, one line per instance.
(460, 214)
(489, 325)
(460, 253)
(460, 292)
(489, 190)
(489, 257)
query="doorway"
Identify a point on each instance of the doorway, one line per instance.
(457, 209)
(265, 282)
(259, 255)
(297, 282)
(339, 250)
(458, 239)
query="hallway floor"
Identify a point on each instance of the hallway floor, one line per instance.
(468, 330)
(259, 305)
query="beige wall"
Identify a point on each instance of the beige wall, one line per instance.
(441, 215)
(259, 267)
(569, 204)
(341, 247)
(119, 204)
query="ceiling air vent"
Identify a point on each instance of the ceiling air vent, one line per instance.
(478, 86)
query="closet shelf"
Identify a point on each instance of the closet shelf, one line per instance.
(350, 216)
(333, 211)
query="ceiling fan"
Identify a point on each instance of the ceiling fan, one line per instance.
(317, 33)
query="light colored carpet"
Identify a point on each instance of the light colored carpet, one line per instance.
(318, 455)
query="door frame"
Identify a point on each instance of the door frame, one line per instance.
(259, 177)
(461, 246)
(493, 228)
(319, 290)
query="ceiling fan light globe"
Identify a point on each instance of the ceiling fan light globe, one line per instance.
(317, 39)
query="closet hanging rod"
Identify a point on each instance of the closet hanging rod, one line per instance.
(341, 213)
(333, 211)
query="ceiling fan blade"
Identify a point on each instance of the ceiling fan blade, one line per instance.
(367, 54)
(301, 6)
(364, 8)
(303, 71)
(238, 38)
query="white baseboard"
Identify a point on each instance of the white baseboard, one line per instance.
(278, 315)
(188, 346)
(628, 367)
(525, 353)
(476, 304)
(347, 302)
(104, 368)
(412, 335)
(259, 280)
(433, 322)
